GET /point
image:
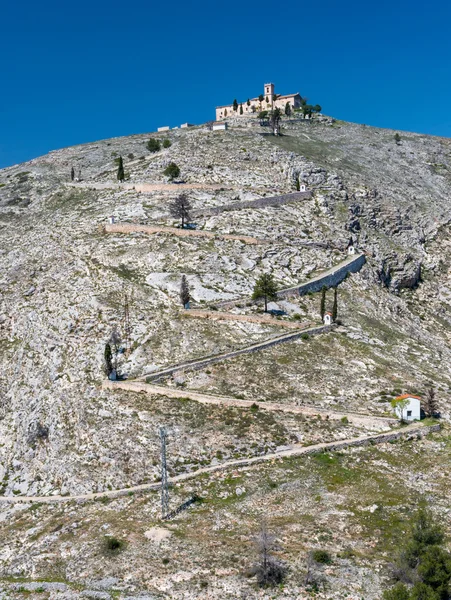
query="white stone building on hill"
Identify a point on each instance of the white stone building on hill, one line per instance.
(270, 101)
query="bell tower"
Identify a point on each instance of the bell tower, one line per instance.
(268, 92)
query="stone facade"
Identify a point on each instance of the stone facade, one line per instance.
(270, 101)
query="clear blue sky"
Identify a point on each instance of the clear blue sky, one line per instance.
(82, 71)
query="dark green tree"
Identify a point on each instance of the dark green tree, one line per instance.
(108, 359)
(72, 174)
(398, 592)
(153, 145)
(241, 109)
(261, 98)
(274, 120)
(167, 143)
(323, 301)
(265, 287)
(397, 138)
(431, 407)
(335, 305)
(120, 170)
(235, 105)
(225, 112)
(184, 291)
(172, 171)
(248, 102)
(288, 109)
(181, 209)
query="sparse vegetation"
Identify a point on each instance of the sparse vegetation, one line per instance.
(265, 287)
(153, 145)
(172, 171)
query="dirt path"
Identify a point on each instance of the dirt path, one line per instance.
(295, 450)
(200, 363)
(147, 187)
(355, 418)
(216, 315)
(150, 229)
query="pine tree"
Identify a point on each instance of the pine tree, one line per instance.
(335, 305)
(265, 287)
(181, 209)
(184, 291)
(241, 109)
(172, 171)
(323, 301)
(235, 105)
(120, 170)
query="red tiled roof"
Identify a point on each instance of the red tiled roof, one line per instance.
(404, 396)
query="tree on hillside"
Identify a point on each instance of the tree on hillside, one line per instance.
(274, 120)
(120, 170)
(423, 566)
(167, 143)
(108, 359)
(397, 138)
(399, 405)
(323, 301)
(153, 145)
(184, 291)
(261, 98)
(181, 209)
(335, 305)
(265, 287)
(269, 570)
(72, 174)
(288, 109)
(431, 404)
(172, 171)
(241, 109)
(248, 102)
(235, 105)
(225, 112)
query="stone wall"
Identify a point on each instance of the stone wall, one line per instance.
(258, 203)
(331, 278)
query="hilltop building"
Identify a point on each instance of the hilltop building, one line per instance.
(412, 411)
(253, 105)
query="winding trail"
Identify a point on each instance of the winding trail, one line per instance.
(354, 417)
(292, 451)
(151, 229)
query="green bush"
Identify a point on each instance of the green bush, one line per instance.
(167, 143)
(263, 114)
(322, 556)
(398, 592)
(153, 145)
(172, 171)
(112, 545)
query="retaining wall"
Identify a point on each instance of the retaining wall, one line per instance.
(258, 203)
(196, 364)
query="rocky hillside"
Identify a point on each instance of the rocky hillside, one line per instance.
(63, 280)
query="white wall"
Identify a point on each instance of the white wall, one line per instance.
(413, 407)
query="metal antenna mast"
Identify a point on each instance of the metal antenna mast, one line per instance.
(164, 474)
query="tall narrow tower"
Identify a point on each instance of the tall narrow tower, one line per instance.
(269, 92)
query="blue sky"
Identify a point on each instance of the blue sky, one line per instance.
(83, 71)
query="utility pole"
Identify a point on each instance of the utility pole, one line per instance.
(126, 325)
(164, 474)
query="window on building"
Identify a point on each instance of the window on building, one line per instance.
(409, 413)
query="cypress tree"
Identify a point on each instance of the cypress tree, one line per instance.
(72, 174)
(184, 291)
(248, 102)
(335, 306)
(235, 105)
(108, 356)
(120, 170)
(323, 301)
(241, 109)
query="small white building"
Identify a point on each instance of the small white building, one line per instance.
(302, 187)
(185, 125)
(219, 125)
(351, 250)
(163, 128)
(412, 410)
(111, 220)
(327, 318)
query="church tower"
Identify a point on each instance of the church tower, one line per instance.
(269, 92)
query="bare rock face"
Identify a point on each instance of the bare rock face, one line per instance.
(63, 281)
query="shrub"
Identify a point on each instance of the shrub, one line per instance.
(344, 420)
(167, 143)
(398, 592)
(172, 171)
(131, 156)
(112, 545)
(322, 556)
(165, 560)
(254, 406)
(305, 336)
(153, 145)
(263, 114)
